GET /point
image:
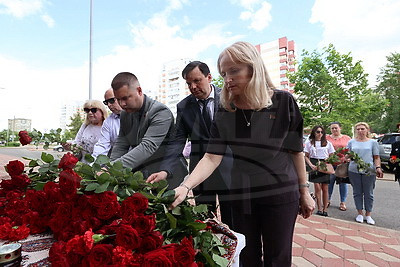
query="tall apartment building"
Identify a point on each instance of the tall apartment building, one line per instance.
(69, 109)
(279, 57)
(19, 124)
(172, 87)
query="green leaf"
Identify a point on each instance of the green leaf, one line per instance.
(197, 225)
(118, 166)
(177, 211)
(89, 158)
(33, 163)
(86, 170)
(47, 157)
(220, 260)
(92, 186)
(138, 176)
(172, 220)
(202, 208)
(104, 177)
(39, 185)
(44, 169)
(169, 196)
(102, 159)
(102, 188)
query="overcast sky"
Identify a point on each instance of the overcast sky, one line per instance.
(44, 44)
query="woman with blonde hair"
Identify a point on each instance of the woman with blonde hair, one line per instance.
(264, 129)
(363, 181)
(90, 131)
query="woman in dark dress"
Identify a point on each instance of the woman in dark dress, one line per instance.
(263, 128)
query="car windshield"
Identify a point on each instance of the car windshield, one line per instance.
(390, 139)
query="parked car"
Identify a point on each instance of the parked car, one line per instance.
(385, 147)
(59, 148)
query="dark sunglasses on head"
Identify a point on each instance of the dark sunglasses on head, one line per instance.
(93, 110)
(110, 100)
(319, 132)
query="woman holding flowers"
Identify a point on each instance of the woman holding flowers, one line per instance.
(363, 180)
(338, 140)
(90, 131)
(264, 128)
(317, 149)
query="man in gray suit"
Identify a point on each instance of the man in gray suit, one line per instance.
(145, 125)
(193, 122)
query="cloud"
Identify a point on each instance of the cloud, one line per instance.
(369, 29)
(257, 12)
(24, 8)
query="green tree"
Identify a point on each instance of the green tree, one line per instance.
(219, 81)
(73, 127)
(331, 87)
(389, 86)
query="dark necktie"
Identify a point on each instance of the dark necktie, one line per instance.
(205, 112)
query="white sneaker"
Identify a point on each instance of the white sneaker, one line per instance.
(360, 218)
(370, 220)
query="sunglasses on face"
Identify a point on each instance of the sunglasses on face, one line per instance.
(93, 110)
(109, 101)
(318, 132)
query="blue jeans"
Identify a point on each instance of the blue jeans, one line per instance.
(342, 189)
(363, 190)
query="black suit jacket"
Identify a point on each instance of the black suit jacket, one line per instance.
(190, 125)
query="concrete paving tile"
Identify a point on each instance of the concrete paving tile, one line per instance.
(376, 260)
(301, 262)
(373, 247)
(295, 245)
(333, 262)
(327, 232)
(343, 246)
(315, 244)
(324, 253)
(384, 256)
(334, 238)
(360, 240)
(362, 263)
(390, 241)
(354, 254)
(334, 249)
(309, 237)
(297, 251)
(312, 257)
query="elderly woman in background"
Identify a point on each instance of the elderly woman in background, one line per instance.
(316, 149)
(264, 128)
(90, 130)
(338, 140)
(363, 181)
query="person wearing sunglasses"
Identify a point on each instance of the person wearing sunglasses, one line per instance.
(90, 131)
(317, 148)
(146, 125)
(110, 127)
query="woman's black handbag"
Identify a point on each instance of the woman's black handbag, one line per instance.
(342, 173)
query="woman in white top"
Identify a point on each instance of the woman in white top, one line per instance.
(317, 148)
(90, 131)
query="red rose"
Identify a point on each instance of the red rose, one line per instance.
(106, 204)
(21, 181)
(127, 237)
(4, 220)
(185, 253)
(35, 222)
(57, 254)
(100, 255)
(137, 202)
(37, 201)
(158, 257)
(24, 138)
(144, 223)
(151, 241)
(6, 184)
(68, 161)
(52, 191)
(5, 229)
(15, 167)
(18, 233)
(122, 256)
(69, 182)
(80, 244)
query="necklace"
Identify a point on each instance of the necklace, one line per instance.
(248, 122)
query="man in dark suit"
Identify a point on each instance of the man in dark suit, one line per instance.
(395, 156)
(194, 116)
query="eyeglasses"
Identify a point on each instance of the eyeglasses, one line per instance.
(93, 110)
(110, 100)
(319, 132)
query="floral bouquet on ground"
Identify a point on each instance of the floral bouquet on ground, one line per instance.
(394, 159)
(103, 214)
(343, 154)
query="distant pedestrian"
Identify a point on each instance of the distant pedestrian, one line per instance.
(338, 140)
(363, 181)
(395, 156)
(316, 149)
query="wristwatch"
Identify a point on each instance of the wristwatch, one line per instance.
(307, 184)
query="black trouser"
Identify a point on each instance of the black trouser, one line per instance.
(269, 233)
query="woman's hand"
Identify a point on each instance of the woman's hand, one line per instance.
(313, 167)
(180, 195)
(307, 204)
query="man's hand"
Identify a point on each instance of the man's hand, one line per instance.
(157, 176)
(307, 204)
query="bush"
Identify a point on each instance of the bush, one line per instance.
(13, 144)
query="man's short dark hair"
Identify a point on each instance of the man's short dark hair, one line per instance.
(123, 78)
(192, 65)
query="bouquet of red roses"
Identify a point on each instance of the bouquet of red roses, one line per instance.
(103, 214)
